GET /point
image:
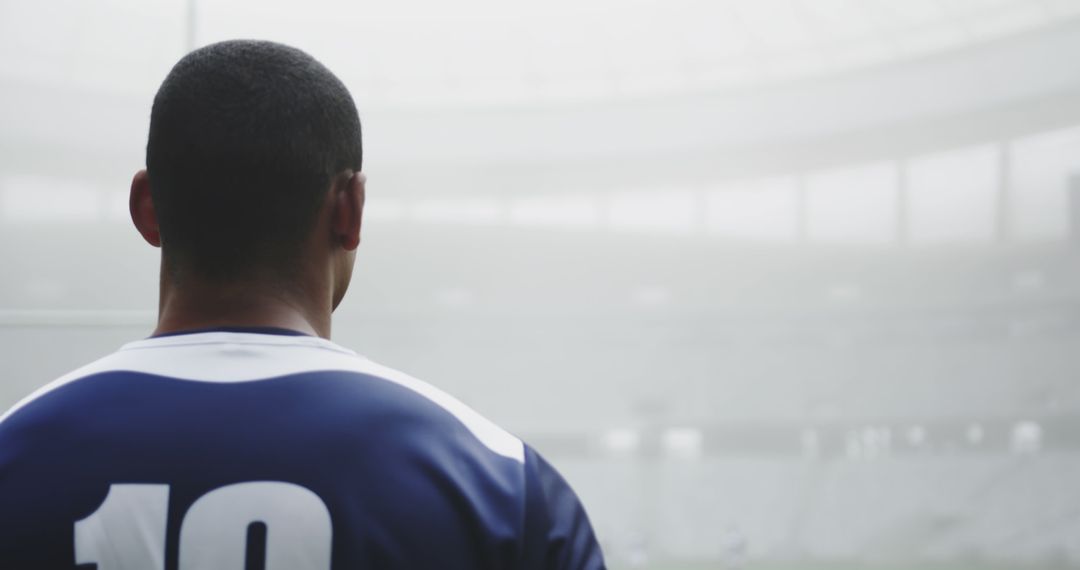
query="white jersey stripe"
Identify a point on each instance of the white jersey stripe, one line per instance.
(249, 357)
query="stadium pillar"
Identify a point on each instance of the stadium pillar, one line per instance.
(1002, 229)
(190, 41)
(802, 216)
(902, 236)
(1074, 209)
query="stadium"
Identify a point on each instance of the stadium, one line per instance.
(774, 284)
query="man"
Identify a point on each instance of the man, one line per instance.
(238, 436)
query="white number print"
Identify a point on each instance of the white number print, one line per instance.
(215, 528)
(127, 532)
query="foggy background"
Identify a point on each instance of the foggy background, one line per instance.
(774, 283)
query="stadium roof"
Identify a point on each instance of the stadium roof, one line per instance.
(483, 52)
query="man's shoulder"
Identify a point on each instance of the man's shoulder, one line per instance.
(436, 402)
(311, 378)
(53, 388)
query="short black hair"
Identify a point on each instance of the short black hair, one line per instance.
(245, 139)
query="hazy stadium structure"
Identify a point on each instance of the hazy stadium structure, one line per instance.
(834, 316)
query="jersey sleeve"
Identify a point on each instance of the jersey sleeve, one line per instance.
(558, 534)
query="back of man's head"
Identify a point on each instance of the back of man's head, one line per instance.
(246, 138)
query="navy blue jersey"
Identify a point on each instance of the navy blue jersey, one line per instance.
(241, 450)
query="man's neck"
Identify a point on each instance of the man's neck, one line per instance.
(201, 306)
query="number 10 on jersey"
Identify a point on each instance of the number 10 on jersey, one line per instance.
(128, 529)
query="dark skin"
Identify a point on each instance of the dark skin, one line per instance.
(304, 304)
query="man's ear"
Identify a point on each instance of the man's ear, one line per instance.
(142, 209)
(348, 203)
